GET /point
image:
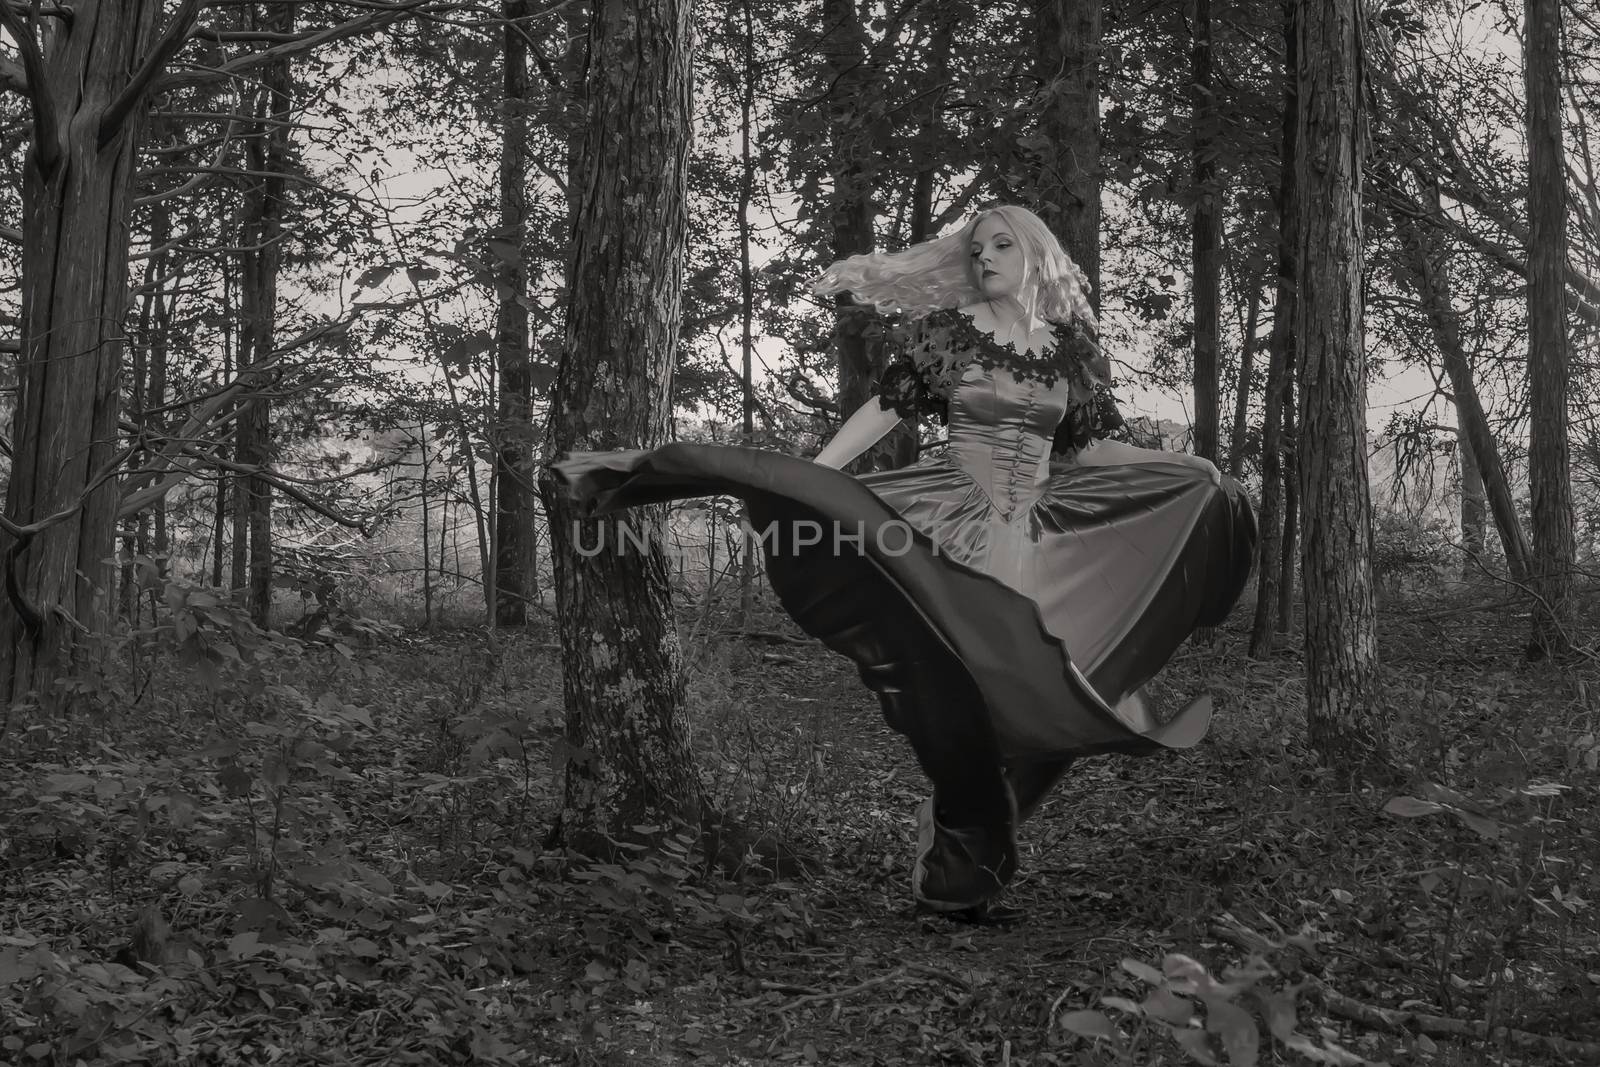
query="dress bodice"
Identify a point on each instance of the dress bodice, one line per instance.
(1001, 429)
(1006, 410)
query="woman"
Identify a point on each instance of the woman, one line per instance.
(1005, 607)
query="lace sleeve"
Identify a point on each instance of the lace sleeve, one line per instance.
(912, 384)
(1092, 411)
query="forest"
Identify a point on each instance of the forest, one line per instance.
(323, 741)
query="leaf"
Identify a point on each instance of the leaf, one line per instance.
(1412, 807)
(1196, 1044)
(421, 274)
(245, 945)
(1485, 826)
(1121, 1004)
(1278, 1010)
(1167, 1006)
(1087, 1023)
(1240, 1038)
(1143, 971)
(373, 277)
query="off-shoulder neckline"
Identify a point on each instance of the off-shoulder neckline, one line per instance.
(1051, 350)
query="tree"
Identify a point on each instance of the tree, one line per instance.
(514, 562)
(88, 71)
(1480, 453)
(1273, 545)
(1206, 241)
(628, 751)
(1341, 642)
(856, 136)
(262, 259)
(86, 77)
(1066, 189)
(1549, 461)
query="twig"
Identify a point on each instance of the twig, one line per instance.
(1397, 1021)
(840, 994)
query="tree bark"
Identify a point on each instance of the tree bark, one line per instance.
(76, 194)
(1067, 45)
(515, 565)
(1247, 370)
(842, 49)
(1066, 195)
(269, 156)
(1474, 505)
(1549, 461)
(1341, 642)
(1205, 241)
(1272, 548)
(627, 751)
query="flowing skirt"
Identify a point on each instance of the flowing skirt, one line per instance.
(1001, 644)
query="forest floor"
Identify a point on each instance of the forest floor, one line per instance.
(333, 855)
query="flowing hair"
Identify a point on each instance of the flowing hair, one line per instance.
(938, 273)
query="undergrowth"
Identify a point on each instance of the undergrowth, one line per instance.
(223, 846)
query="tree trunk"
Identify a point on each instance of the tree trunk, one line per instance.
(1425, 258)
(628, 754)
(1067, 188)
(747, 301)
(842, 49)
(1474, 505)
(515, 565)
(1341, 642)
(1066, 194)
(1288, 555)
(268, 152)
(1247, 369)
(1273, 547)
(1549, 466)
(1206, 241)
(76, 193)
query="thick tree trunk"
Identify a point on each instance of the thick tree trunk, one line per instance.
(1205, 241)
(1549, 462)
(514, 566)
(76, 190)
(1066, 193)
(1425, 258)
(1341, 641)
(628, 750)
(842, 49)
(1272, 546)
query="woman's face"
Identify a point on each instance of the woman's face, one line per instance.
(998, 264)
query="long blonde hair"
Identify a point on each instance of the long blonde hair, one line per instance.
(935, 273)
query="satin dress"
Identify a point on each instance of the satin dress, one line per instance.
(1006, 625)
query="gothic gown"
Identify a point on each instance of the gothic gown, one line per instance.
(1006, 625)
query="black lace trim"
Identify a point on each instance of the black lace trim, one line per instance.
(1045, 366)
(927, 368)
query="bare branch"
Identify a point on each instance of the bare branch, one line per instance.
(301, 44)
(172, 39)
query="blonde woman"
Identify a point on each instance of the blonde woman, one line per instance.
(1005, 604)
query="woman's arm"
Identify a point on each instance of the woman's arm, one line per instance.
(1102, 453)
(860, 432)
